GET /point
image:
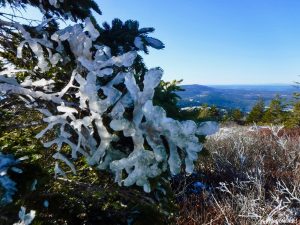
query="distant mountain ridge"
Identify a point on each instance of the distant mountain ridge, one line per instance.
(233, 96)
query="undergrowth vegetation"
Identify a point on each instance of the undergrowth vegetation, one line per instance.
(248, 176)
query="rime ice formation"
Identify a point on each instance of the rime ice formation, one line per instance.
(107, 106)
(7, 162)
(155, 43)
(25, 218)
(139, 43)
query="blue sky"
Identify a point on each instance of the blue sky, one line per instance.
(219, 41)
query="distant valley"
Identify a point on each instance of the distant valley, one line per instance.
(233, 96)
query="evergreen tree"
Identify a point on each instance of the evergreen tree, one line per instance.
(88, 86)
(215, 112)
(293, 116)
(257, 112)
(166, 96)
(208, 113)
(204, 112)
(293, 119)
(66, 9)
(236, 115)
(275, 113)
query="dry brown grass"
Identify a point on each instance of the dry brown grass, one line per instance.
(252, 177)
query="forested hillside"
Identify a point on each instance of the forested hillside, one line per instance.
(242, 97)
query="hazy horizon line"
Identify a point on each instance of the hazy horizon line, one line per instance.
(244, 84)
